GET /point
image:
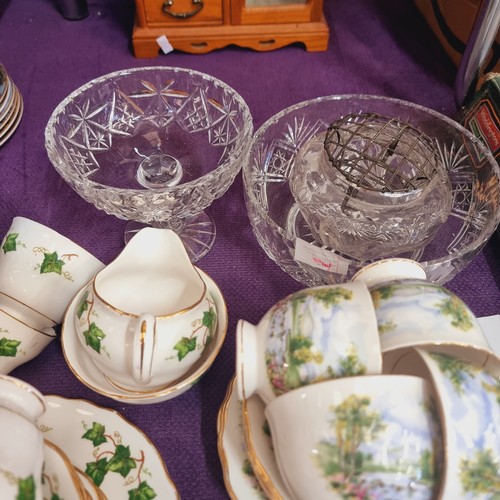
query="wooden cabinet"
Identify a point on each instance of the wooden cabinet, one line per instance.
(200, 26)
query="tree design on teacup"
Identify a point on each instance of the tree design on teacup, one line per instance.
(348, 458)
(460, 316)
(446, 304)
(478, 467)
(292, 358)
(26, 487)
(112, 456)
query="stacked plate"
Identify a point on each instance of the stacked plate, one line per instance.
(11, 106)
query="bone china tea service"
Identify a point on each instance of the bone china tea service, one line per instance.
(147, 317)
(338, 430)
(371, 382)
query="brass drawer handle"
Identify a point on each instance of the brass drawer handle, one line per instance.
(198, 5)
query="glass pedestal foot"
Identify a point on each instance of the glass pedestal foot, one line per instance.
(197, 233)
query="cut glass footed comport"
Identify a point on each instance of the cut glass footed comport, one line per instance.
(152, 145)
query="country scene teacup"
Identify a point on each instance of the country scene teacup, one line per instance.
(312, 335)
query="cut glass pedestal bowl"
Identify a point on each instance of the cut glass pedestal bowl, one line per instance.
(152, 145)
(280, 226)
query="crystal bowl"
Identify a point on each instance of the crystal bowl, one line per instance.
(153, 145)
(281, 228)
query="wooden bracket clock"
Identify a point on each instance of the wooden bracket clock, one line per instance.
(200, 26)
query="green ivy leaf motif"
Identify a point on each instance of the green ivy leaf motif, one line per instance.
(209, 319)
(26, 489)
(51, 263)
(10, 244)
(142, 492)
(97, 470)
(93, 337)
(83, 305)
(8, 347)
(96, 434)
(184, 347)
(121, 462)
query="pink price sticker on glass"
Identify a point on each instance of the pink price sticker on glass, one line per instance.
(320, 258)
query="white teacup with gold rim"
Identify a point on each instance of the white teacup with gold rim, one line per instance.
(22, 451)
(312, 335)
(147, 317)
(40, 272)
(19, 343)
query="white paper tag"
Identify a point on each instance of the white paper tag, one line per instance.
(164, 44)
(491, 330)
(321, 258)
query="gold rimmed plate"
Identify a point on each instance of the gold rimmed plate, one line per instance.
(10, 106)
(86, 371)
(4, 80)
(5, 89)
(9, 128)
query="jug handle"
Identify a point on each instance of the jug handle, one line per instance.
(143, 348)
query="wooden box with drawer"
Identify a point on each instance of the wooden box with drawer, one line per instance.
(200, 26)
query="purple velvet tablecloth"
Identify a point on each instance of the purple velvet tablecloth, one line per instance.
(376, 47)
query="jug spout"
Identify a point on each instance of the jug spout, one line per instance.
(153, 274)
(162, 247)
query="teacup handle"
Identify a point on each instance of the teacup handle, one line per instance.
(143, 348)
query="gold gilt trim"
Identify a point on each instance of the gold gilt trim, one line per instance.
(160, 316)
(199, 368)
(86, 480)
(23, 385)
(75, 479)
(259, 470)
(440, 346)
(29, 307)
(130, 424)
(28, 326)
(221, 426)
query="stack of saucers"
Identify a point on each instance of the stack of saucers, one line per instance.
(11, 106)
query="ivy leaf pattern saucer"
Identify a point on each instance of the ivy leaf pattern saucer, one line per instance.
(116, 456)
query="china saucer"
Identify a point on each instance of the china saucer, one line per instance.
(239, 479)
(245, 449)
(60, 478)
(8, 129)
(86, 371)
(94, 437)
(260, 450)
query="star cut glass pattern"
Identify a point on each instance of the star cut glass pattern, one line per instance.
(152, 145)
(278, 223)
